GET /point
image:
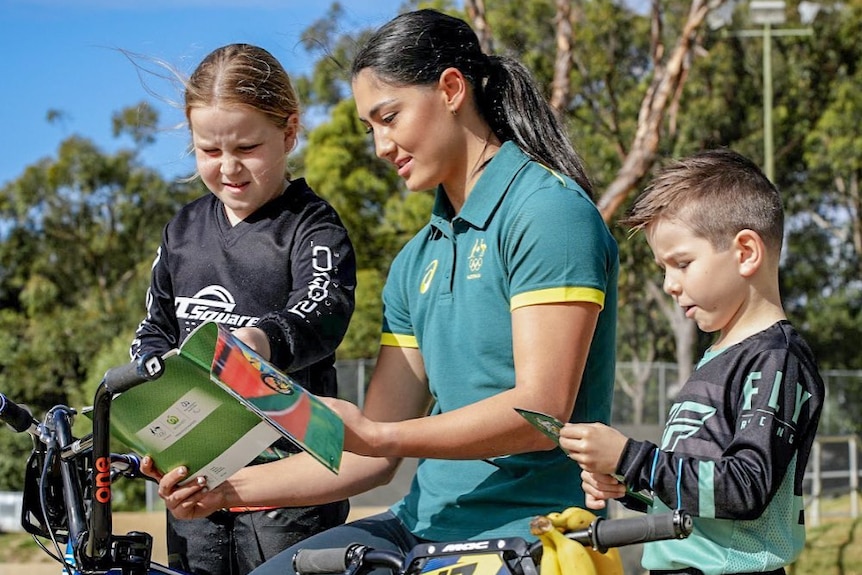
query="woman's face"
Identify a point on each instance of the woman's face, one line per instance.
(240, 156)
(413, 128)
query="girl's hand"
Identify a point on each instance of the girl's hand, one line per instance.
(256, 339)
(148, 468)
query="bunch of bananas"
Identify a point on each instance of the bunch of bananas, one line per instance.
(564, 556)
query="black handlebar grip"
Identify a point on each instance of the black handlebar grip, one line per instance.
(16, 416)
(319, 561)
(640, 529)
(146, 368)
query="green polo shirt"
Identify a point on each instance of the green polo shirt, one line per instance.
(526, 235)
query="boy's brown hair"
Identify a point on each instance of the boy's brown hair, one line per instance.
(715, 193)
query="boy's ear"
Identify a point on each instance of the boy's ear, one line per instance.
(750, 252)
(453, 86)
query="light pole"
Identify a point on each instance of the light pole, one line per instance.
(769, 13)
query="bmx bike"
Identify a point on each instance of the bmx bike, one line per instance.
(67, 502)
(67, 484)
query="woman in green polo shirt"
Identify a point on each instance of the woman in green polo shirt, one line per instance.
(506, 299)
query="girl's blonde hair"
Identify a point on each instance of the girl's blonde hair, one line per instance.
(243, 74)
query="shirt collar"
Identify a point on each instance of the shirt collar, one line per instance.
(488, 192)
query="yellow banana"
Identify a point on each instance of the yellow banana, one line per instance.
(571, 519)
(571, 556)
(578, 519)
(549, 564)
(559, 518)
(607, 563)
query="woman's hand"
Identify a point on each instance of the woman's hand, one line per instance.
(190, 501)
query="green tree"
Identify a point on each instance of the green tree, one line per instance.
(380, 215)
(76, 229)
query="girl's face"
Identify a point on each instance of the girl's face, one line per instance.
(706, 283)
(241, 156)
(413, 128)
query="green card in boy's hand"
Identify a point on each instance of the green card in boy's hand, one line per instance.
(547, 424)
(551, 426)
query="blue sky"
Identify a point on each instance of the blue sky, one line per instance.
(64, 55)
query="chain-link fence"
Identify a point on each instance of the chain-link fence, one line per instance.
(645, 391)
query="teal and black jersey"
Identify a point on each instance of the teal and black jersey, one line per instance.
(733, 454)
(526, 235)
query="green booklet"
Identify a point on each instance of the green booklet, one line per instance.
(219, 405)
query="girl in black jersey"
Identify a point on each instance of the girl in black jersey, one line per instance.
(738, 436)
(262, 254)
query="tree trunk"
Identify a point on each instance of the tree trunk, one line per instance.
(476, 12)
(561, 84)
(666, 85)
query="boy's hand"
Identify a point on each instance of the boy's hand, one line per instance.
(595, 446)
(599, 487)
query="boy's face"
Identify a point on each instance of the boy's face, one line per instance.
(706, 283)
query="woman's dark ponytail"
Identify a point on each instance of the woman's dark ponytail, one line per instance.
(517, 111)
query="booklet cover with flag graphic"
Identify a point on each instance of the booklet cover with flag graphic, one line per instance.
(217, 406)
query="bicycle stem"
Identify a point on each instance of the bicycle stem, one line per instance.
(116, 380)
(61, 421)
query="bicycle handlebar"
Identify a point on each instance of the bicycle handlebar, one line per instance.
(124, 377)
(337, 560)
(18, 417)
(601, 534)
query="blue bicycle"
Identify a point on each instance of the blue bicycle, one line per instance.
(67, 493)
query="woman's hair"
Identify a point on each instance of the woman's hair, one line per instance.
(416, 47)
(246, 75)
(715, 193)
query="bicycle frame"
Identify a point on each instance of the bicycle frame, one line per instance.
(91, 547)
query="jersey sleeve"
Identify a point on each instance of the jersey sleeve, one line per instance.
(397, 330)
(159, 330)
(558, 249)
(322, 296)
(772, 418)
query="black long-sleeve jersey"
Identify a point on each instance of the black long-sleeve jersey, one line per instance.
(733, 454)
(288, 269)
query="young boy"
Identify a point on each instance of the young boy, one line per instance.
(737, 439)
